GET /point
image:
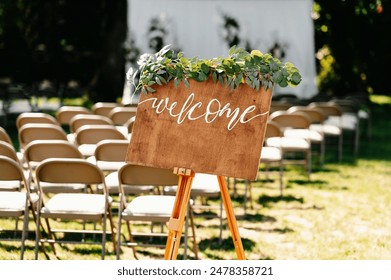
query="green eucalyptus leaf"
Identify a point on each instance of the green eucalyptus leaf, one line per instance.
(176, 82)
(162, 79)
(296, 78)
(214, 76)
(150, 89)
(283, 83)
(202, 77)
(187, 84)
(221, 79)
(158, 81)
(205, 68)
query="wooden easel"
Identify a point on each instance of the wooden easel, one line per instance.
(176, 222)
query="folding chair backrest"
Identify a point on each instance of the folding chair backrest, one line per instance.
(273, 130)
(40, 150)
(4, 136)
(104, 108)
(69, 171)
(111, 150)
(92, 134)
(79, 120)
(315, 114)
(279, 106)
(327, 108)
(31, 132)
(292, 120)
(8, 150)
(11, 170)
(65, 113)
(142, 175)
(346, 105)
(120, 115)
(26, 118)
(129, 124)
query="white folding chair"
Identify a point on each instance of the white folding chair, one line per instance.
(73, 206)
(16, 204)
(145, 208)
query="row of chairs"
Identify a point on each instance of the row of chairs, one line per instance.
(104, 157)
(59, 191)
(293, 130)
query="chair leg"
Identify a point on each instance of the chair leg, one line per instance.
(356, 138)
(37, 236)
(245, 196)
(186, 235)
(110, 216)
(51, 236)
(16, 226)
(131, 239)
(25, 227)
(281, 173)
(195, 247)
(118, 251)
(322, 152)
(250, 188)
(309, 165)
(221, 221)
(104, 221)
(340, 147)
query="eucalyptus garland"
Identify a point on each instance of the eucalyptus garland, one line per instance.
(255, 69)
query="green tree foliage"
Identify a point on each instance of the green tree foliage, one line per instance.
(63, 40)
(356, 33)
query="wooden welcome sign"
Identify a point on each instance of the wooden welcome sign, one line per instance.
(205, 127)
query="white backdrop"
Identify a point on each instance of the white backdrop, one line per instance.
(196, 28)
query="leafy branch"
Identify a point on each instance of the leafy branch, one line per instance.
(240, 67)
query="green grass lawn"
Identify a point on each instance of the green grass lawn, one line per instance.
(341, 214)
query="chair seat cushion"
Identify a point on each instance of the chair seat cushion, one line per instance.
(327, 129)
(312, 135)
(288, 143)
(75, 203)
(107, 165)
(269, 154)
(112, 186)
(12, 201)
(151, 205)
(346, 121)
(11, 185)
(87, 150)
(203, 185)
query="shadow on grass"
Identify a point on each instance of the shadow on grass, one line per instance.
(266, 200)
(207, 215)
(150, 254)
(9, 247)
(90, 250)
(270, 230)
(318, 184)
(257, 218)
(308, 182)
(225, 245)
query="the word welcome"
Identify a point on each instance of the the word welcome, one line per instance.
(209, 113)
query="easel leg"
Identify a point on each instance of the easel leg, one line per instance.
(231, 218)
(177, 219)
